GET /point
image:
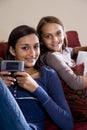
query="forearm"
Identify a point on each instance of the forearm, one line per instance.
(60, 116)
(80, 48)
(71, 79)
(65, 72)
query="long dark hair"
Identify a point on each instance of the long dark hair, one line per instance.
(42, 22)
(15, 35)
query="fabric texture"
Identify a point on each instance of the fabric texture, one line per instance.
(41, 101)
(78, 69)
(77, 99)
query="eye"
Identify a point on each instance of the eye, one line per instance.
(37, 46)
(48, 36)
(59, 33)
(25, 48)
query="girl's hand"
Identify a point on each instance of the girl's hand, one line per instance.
(26, 81)
(6, 77)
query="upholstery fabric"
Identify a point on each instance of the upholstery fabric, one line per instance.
(73, 38)
(3, 48)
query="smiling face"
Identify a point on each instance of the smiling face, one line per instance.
(27, 49)
(53, 36)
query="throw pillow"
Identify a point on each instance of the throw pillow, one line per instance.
(77, 99)
(78, 69)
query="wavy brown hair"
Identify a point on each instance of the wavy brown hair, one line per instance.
(44, 21)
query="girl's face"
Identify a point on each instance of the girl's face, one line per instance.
(53, 36)
(27, 49)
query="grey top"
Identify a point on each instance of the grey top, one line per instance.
(61, 62)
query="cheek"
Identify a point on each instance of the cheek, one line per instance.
(38, 53)
(48, 46)
(61, 39)
(46, 41)
(19, 55)
(63, 36)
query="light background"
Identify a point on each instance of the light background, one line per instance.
(73, 14)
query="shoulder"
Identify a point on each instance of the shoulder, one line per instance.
(47, 70)
(68, 49)
(48, 74)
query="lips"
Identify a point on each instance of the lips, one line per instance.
(30, 60)
(55, 44)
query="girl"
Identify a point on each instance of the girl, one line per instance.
(56, 52)
(34, 89)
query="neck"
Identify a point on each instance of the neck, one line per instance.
(33, 72)
(30, 70)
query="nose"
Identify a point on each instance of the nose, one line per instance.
(55, 38)
(32, 52)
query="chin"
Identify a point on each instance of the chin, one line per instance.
(29, 65)
(55, 50)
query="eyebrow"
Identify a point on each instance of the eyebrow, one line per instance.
(21, 44)
(45, 34)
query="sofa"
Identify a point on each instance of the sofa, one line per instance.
(73, 40)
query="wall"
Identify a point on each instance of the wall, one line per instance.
(17, 12)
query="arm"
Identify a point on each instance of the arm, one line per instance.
(55, 104)
(65, 72)
(11, 116)
(80, 48)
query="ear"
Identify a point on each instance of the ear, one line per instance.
(12, 50)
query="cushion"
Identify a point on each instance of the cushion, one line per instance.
(80, 126)
(77, 98)
(49, 125)
(78, 69)
(3, 49)
(73, 38)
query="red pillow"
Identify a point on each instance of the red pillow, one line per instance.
(78, 69)
(77, 99)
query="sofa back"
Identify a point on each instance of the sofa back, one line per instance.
(73, 38)
(3, 49)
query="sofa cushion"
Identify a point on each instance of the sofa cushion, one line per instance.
(77, 98)
(73, 38)
(78, 69)
(3, 48)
